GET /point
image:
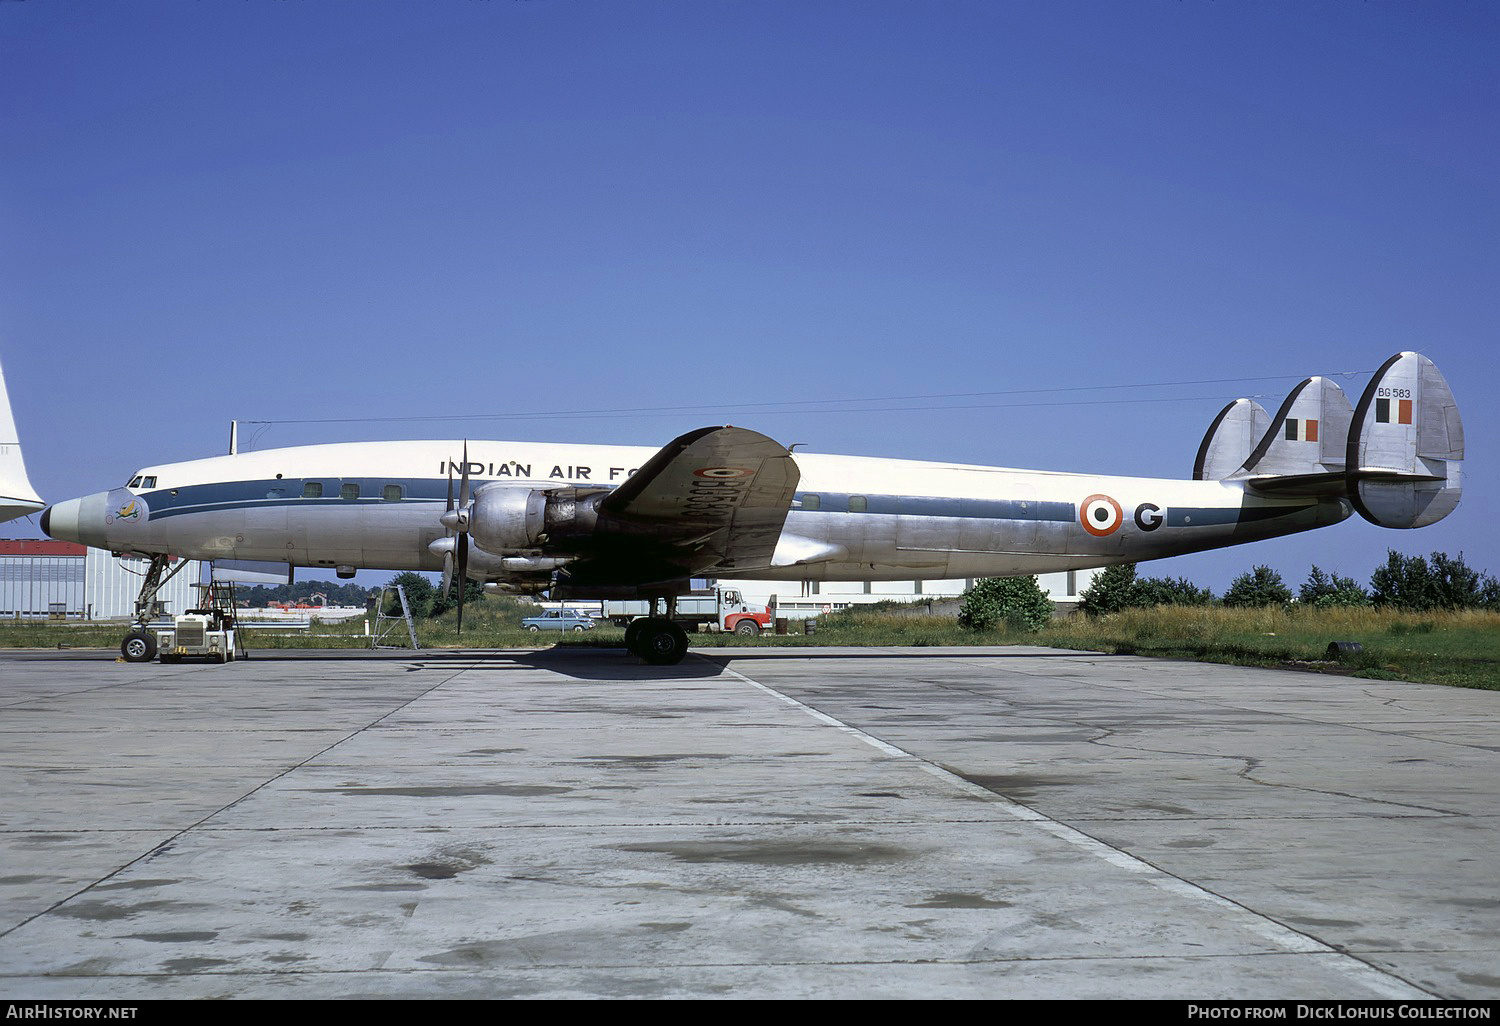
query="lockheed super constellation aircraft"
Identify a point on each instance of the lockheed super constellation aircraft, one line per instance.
(607, 521)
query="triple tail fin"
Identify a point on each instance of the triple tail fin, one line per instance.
(1396, 456)
(1406, 446)
(1303, 450)
(17, 497)
(1230, 440)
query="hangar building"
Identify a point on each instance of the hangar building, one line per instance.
(45, 578)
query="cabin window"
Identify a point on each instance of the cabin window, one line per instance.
(859, 504)
(812, 501)
(349, 491)
(392, 493)
(312, 490)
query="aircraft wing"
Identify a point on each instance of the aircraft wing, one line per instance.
(713, 499)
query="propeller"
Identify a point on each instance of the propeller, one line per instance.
(456, 520)
(448, 552)
(463, 536)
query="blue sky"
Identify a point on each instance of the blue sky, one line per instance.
(288, 210)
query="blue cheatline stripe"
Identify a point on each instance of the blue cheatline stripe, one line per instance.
(287, 493)
(929, 506)
(1220, 516)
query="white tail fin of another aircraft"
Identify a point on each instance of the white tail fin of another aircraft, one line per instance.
(1396, 457)
(17, 497)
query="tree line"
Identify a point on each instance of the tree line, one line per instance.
(301, 593)
(1413, 583)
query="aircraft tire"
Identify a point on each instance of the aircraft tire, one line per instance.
(633, 635)
(662, 643)
(138, 647)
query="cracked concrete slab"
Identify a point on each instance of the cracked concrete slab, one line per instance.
(772, 823)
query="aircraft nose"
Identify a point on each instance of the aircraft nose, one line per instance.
(76, 520)
(60, 520)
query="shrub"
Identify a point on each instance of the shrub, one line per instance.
(420, 594)
(1117, 587)
(1446, 582)
(1262, 586)
(1166, 591)
(1112, 590)
(1018, 602)
(1322, 590)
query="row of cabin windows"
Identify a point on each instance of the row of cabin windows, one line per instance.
(310, 489)
(350, 490)
(857, 503)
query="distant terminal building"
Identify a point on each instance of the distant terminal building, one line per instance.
(810, 598)
(44, 578)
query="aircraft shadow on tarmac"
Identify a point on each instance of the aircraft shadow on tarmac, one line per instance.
(579, 662)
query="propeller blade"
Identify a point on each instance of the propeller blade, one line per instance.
(463, 576)
(447, 584)
(463, 486)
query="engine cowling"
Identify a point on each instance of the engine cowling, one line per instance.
(508, 519)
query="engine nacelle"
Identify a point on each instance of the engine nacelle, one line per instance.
(507, 518)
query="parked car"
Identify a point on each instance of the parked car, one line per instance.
(559, 620)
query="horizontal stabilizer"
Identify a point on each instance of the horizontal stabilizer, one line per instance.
(1406, 446)
(1303, 486)
(1230, 440)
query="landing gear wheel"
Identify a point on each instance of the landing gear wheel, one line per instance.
(139, 647)
(661, 643)
(633, 635)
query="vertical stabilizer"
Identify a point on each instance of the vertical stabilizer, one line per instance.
(1309, 434)
(1230, 440)
(17, 497)
(1406, 446)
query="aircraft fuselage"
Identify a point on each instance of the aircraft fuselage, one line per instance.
(376, 505)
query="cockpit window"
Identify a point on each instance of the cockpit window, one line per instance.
(148, 482)
(135, 482)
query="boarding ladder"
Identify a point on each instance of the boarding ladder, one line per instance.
(385, 624)
(220, 603)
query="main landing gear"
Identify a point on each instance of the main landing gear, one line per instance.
(657, 639)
